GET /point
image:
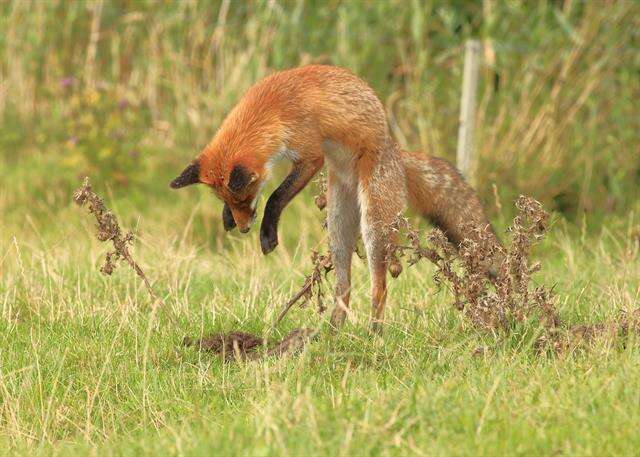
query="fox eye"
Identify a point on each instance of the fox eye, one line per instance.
(240, 201)
(240, 178)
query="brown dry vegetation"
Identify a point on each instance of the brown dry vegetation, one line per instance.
(493, 302)
(497, 303)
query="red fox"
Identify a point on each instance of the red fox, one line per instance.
(316, 114)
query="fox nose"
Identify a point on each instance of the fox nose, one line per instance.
(245, 225)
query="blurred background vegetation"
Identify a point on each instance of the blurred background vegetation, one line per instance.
(129, 91)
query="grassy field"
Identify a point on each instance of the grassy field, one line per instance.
(127, 93)
(86, 366)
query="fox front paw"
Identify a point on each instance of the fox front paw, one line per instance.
(227, 218)
(268, 238)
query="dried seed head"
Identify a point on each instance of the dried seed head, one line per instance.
(395, 268)
(321, 201)
(108, 229)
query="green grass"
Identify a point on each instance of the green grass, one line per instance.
(86, 367)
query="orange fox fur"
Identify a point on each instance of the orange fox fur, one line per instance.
(324, 114)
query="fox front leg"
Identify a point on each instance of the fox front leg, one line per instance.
(298, 178)
(227, 218)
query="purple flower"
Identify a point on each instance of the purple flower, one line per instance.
(68, 81)
(123, 103)
(73, 140)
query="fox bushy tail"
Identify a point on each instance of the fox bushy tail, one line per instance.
(438, 192)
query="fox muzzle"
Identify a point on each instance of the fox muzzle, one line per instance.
(245, 226)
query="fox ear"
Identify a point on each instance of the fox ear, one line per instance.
(190, 175)
(240, 177)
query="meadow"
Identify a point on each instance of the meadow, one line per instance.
(128, 92)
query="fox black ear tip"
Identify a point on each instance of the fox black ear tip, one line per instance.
(189, 176)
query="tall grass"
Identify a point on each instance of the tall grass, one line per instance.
(558, 115)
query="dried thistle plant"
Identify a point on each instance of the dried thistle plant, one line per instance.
(491, 301)
(495, 300)
(109, 230)
(321, 198)
(313, 283)
(322, 265)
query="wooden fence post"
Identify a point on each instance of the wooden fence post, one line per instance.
(465, 158)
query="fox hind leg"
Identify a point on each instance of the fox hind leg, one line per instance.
(343, 220)
(382, 195)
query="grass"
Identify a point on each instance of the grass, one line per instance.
(128, 92)
(79, 375)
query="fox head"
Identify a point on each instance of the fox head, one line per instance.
(235, 163)
(237, 184)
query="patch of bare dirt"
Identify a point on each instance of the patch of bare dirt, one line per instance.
(245, 346)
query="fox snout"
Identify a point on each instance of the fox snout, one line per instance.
(243, 218)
